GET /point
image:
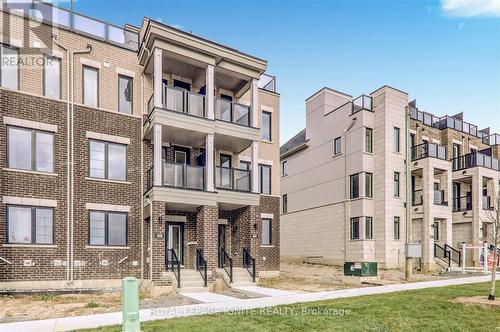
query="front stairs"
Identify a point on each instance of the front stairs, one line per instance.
(241, 278)
(191, 282)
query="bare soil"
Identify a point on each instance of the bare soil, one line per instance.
(479, 300)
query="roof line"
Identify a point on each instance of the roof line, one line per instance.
(329, 89)
(388, 86)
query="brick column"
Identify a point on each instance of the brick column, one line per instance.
(206, 220)
(158, 247)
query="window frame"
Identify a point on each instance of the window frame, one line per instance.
(351, 177)
(369, 235)
(106, 229)
(44, 75)
(396, 222)
(397, 139)
(17, 49)
(33, 152)
(33, 224)
(436, 230)
(284, 171)
(84, 67)
(284, 203)
(368, 130)
(397, 180)
(270, 126)
(131, 93)
(270, 229)
(261, 182)
(106, 160)
(370, 192)
(335, 152)
(351, 228)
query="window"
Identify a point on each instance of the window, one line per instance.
(30, 149)
(284, 168)
(396, 184)
(285, 203)
(107, 228)
(368, 228)
(107, 160)
(354, 228)
(436, 231)
(90, 86)
(368, 185)
(369, 140)
(9, 71)
(337, 146)
(396, 228)
(457, 150)
(52, 77)
(266, 126)
(265, 179)
(125, 94)
(354, 185)
(266, 231)
(412, 139)
(397, 147)
(29, 225)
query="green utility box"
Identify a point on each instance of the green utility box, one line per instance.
(360, 269)
(130, 305)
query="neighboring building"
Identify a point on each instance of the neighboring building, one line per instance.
(343, 182)
(166, 156)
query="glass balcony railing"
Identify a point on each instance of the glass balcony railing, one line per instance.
(232, 179)
(427, 149)
(439, 197)
(183, 176)
(487, 203)
(463, 203)
(417, 197)
(475, 159)
(228, 111)
(363, 102)
(267, 82)
(182, 101)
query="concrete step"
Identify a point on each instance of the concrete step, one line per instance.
(192, 290)
(243, 284)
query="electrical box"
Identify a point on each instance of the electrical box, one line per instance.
(357, 269)
(413, 250)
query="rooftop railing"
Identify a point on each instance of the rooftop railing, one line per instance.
(493, 139)
(65, 19)
(427, 149)
(475, 159)
(363, 102)
(267, 82)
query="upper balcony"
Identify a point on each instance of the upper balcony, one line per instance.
(426, 150)
(361, 103)
(475, 159)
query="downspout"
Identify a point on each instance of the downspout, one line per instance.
(150, 240)
(346, 191)
(141, 197)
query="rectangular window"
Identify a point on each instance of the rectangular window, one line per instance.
(354, 185)
(284, 168)
(107, 228)
(29, 149)
(397, 147)
(337, 146)
(90, 86)
(266, 231)
(368, 228)
(368, 185)
(396, 184)
(125, 94)
(369, 140)
(285, 203)
(412, 140)
(265, 179)
(396, 228)
(436, 231)
(9, 70)
(29, 225)
(107, 160)
(52, 77)
(266, 126)
(354, 228)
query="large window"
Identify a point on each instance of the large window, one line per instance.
(90, 86)
(107, 228)
(337, 146)
(396, 228)
(354, 233)
(265, 179)
(29, 225)
(107, 160)
(266, 126)
(52, 77)
(285, 203)
(30, 150)
(368, 185)
(125, 94)
(397, 145)
(354, 186)
(369, 140)
(396, 184)
(9, 71)
(266, 231)
(368, 228)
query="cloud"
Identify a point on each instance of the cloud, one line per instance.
(461, 25)
(471, 8)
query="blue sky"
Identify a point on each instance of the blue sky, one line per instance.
(446, 54)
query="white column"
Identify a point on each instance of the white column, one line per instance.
(209, 165)
(255, 166)
(255, 103)
(210, 90)
(157, 162)
(157, 76)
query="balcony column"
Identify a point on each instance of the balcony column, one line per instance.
(254, 103)
(255, 166)
(210, 92)
(157, 160)
(209, 155)
(157, 77)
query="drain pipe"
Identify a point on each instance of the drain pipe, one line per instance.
(141, 197)
(68, 161)
(346, 191)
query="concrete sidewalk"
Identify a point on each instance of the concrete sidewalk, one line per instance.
(91, 321)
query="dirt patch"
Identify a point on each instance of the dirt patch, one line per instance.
(479, 300)
(238, 294)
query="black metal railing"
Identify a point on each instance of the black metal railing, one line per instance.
(427, 149)
(455, 255)
(463, 203)
(475, 159)
(363, 102)
(487, 205)
(151, 103)
(201, 266)
(442, 254)
(230, 111)
(249, 263)
(439, 197)
(233, 178)
(417, 197)
(226, 263)
(150, 178)
(173, 264)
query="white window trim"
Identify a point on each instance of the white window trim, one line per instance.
(90, 63)
(29, 201)
(107, 207)
(265, 108)
(29, 124)
(261, 161)
(107, 138)
(457, 142)
(174, 218)
(125, 72)
(266, 216)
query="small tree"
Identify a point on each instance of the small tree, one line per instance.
(492, 217)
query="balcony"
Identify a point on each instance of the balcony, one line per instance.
(417, 198)
(487, 203)
(439, 198)
(267, 83)
(178, 175)
(182, 101)
(475, 159)
(363, 102)
(233, 179)
(427, 149)
(463, 203)
(229, 111)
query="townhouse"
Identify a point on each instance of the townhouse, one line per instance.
(343, 182)
(132, 151)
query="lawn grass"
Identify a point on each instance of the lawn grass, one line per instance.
(420, 310)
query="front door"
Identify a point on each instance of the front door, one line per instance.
(222, 244)
(174, 242)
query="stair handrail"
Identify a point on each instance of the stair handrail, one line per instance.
(225, 258)
(201, 266)
(249, 263)
(177, 263)
(453, 250)
(447, 254)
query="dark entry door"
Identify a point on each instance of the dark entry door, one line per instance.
(222, 244)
